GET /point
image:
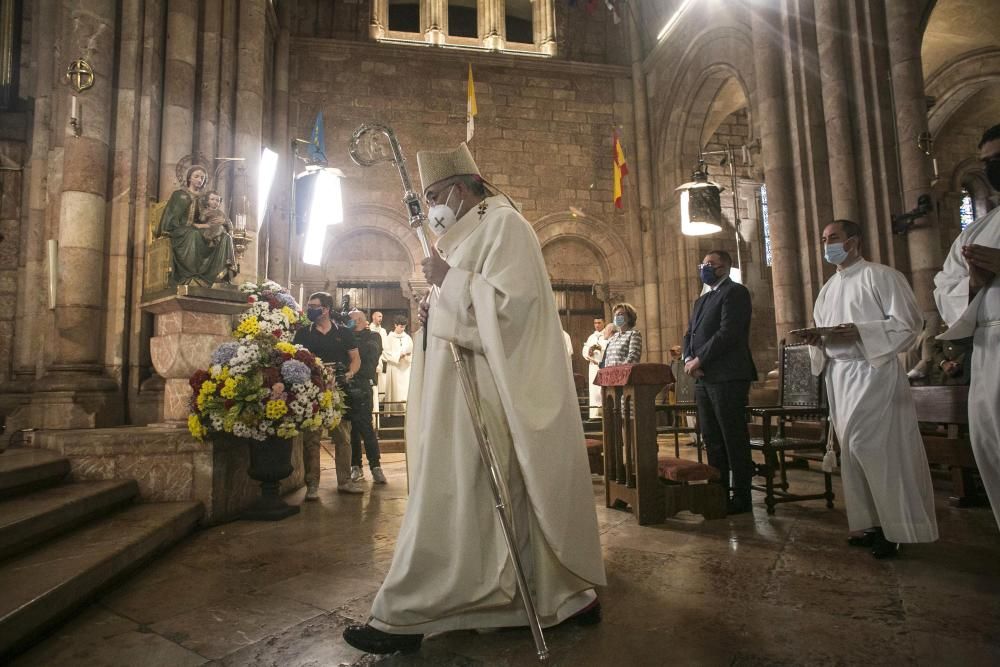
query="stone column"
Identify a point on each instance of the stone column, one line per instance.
(225, 146)
(923, 241)
(434, 20)
(836, 109)
(492, 24)
(32, 315)
(250, 114)
(650, 272)
(280, 217)
(210, 63)
(178, 90)
(378, 28)
(543, 19)
(779, 176)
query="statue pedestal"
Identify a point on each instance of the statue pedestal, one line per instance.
(190, 323)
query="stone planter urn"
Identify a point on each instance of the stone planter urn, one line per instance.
(270, 462)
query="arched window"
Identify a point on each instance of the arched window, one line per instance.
(967, 209)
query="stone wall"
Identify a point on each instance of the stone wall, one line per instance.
(543, 135)
(11, 187)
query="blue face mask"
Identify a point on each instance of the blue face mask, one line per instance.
(314, 313)
(619, 321)
(708, 275)
(835, 253)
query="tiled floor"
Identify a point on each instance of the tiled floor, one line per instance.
(750, 590)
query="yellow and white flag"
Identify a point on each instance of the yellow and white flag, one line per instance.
(470, 109)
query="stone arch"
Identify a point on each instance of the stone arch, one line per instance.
(616, 262)
(388, 222)
(958, 82)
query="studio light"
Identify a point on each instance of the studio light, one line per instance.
(319, 197)
(701, 205)
(265, 178)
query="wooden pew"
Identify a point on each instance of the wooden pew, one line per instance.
(948, 407)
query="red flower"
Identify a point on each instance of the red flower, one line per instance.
(306, 357)
(229, 403)
(276, 333)
(198, 379)
(271, 375)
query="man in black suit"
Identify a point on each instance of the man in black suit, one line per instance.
(717, 355)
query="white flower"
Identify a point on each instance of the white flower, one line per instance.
(248, 287)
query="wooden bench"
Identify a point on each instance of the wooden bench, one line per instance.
(946, 411)
(692, 486)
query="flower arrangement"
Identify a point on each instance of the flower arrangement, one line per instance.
(261, 385)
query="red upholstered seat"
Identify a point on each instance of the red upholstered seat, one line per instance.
(682, 470)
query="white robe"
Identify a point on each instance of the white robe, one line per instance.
(397, 368)
(593, 365)
(884, 470)
(451, 569)
(980, 319)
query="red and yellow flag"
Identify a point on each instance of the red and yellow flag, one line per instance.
(470, 108)
(620, 170)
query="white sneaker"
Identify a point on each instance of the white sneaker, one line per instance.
(357, 474)
(349, 487)
(312, 491)
(378, 476)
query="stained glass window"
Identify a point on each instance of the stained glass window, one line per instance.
(967, 210)
(764, 224)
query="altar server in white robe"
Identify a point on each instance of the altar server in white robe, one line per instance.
(968, 296)
(887, 482)
(398, 357)
(451, 569)
(376, 326)
(593, 352)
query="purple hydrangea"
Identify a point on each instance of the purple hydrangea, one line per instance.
(224, 353)
(286, 299)
(295, 372)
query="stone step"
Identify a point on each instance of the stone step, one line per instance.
(29, 519)
(27, 469)
(46, 584)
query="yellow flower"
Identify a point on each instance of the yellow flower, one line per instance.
(326, 399)
(222, 375)
(208, 388)
(286, 431)
(275, 409)
(195, 427)
(229, 389)
(289, 314)
(248, 327)
(285, 348)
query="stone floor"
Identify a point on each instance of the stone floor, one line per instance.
(750, 590)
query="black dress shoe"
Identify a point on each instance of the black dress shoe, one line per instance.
(372, 640)
(866, 539)
(883, 548)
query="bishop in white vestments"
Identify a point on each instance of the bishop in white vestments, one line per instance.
(968, 297)
(451, 569)
(593, 352)
(886, 479)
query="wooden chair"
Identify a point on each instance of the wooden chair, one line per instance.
(676, 424)
(801, 399)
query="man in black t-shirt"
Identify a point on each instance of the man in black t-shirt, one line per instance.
(333, 344)
(363, 401)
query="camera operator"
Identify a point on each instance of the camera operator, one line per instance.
(333, 343)
(362, 401)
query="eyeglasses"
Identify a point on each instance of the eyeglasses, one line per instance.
(711, 266)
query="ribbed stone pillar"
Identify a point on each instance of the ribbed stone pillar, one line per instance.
(434, 20)
(492, 23)
(88, 32)
(769, 54)
(177, 139)
(923, 241)
(225, 142)
(650, 271)
(210, 64)
(250, 113)
(278, 266)
(836, 109)
(543, 19)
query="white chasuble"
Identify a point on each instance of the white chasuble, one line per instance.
(597, 343)
(451, 568)
(884, 469)
(398, 357)
(979, 318)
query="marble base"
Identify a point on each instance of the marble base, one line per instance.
(168, 465)
(63, 409)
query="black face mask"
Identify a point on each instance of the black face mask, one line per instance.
(993, 172)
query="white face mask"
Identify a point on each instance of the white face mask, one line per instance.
(441, 217)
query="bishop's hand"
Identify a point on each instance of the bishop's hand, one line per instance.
(435, 268)
(425, 306)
